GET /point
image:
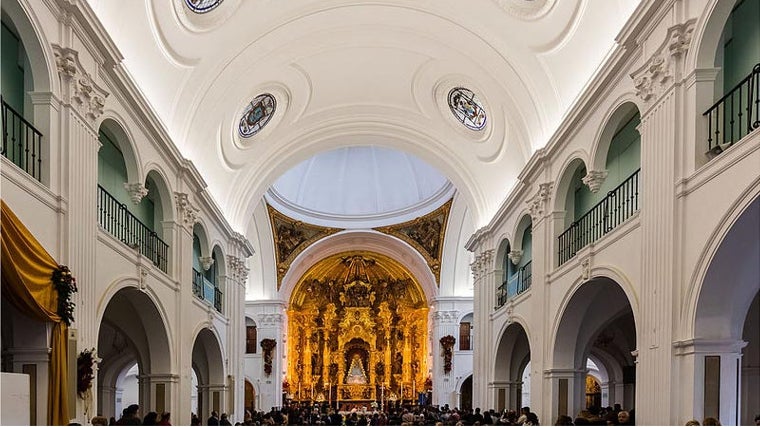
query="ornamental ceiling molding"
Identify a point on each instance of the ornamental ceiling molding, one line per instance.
(291, 237)
(526, 10)
(426, 235)
(659, 72)
(79, 88)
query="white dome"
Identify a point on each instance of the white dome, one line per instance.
(362, 186)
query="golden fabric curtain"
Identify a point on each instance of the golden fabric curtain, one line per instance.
(27, 271)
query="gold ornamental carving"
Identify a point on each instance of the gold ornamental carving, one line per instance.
(426, 235)
(357, 323)
(291, 237)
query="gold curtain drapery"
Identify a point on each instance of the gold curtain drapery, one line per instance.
(27, 271)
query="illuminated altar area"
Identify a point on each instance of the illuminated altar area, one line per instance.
(357, 327)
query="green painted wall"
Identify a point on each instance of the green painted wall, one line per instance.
(741, 42)
(112, 174)
(527, 247)
(12, 68)
(211, 272)
(623, 159)
(197, 253)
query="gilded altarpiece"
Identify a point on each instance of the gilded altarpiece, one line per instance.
(357, 325)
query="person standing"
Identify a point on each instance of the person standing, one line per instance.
(213, 420)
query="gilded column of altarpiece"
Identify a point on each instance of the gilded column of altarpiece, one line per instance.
(357, 325)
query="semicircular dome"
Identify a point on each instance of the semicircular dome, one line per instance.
(365, 186)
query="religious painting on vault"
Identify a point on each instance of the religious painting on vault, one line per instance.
(291, 237)
(425, 234)
(357, 323)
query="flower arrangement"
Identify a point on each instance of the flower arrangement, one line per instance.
(268, 345)
(66, 285)
(86, 362)
(447, 342)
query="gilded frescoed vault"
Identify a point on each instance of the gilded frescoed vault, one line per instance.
(357, 326)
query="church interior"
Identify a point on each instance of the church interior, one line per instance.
(441, 210)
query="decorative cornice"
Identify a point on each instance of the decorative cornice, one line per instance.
(425, 234)
(186, 213)
(136, 191)
(242, 244)
(79, 89)
(594, 179)
(515, 256)
(540, 200)
(653, 78)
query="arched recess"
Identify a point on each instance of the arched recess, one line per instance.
(569, 188)
(512, 357)
(158, 208)
(617, 150)
(505, 271)
(251, 336)
(726, 328)
(208, 364)
(115, 141)
(361, 240)
(465, 394)
(465, 339)
(598, 318)
(132, 331)
(520, 261)
(215, 274)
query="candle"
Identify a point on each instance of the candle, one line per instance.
(329, 394)
(414, 389)
(382, 396)
(312, 391)
(402, 393)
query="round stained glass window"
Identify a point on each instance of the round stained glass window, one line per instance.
(202, 6)
(257, 114)
(467, 108)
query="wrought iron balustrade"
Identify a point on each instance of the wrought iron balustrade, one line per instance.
(22, 142)
(619, 205)
(735, 115)
(197, 283)
(515, 285)
(218, 299)
(115, 218)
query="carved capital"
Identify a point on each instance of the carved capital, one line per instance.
(187, 215)
(540, 200)
(657, 74)
(237, 268)
(446, 317)
(136, 191)
(594, 180)
(79, 88)
(206, 262)
(515, 256)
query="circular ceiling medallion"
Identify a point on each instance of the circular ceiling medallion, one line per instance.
(202, 6)
(257, 114)
(526, 9)
(466, 107)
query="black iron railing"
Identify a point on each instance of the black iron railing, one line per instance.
(736, 114)
(619, 204)
(122, 224)
(218, 299)
(22, 142)
(207, 290)
(515, 285)
(197, 283)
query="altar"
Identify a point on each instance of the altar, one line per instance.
(358, 327)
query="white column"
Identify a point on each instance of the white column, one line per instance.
(444, 323)
(659, 84)
(270, 323)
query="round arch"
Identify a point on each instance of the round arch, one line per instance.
(114, 126)
(199, 230)
(366, 240)
(622, 111)
(564, 179)
(346, 132)
(39, 52)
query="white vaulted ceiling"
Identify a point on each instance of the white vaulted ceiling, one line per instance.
(350, 73)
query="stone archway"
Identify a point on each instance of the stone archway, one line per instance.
(208, 365)
(725, 347)
(512, 358)
(132, 331)
(598, 318)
